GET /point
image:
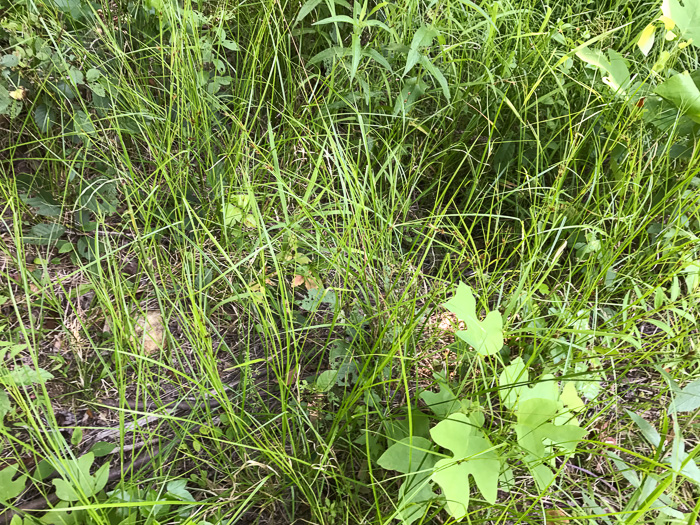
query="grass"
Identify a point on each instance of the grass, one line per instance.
(551, 198)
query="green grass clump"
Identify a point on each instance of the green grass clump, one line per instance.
(239, 244)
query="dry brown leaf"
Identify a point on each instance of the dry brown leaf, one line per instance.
(150, 332)
(310, 283)
(556, 516)
(297, 281)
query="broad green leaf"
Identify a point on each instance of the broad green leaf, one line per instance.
(378, 57)
(309, 6)
(42, 117)
(533, 414)
(436, 74)
(679, 458)
(618, 76)
(646, 39)
(688, 399)
(415, 496)
(514, 374)
(377, 23)
(24, 375)
(423, 37)
(485, 336)
(408, 456)
(5, 405)
(100, 479)
(331, 52)
(76, 75)
(102, 448)
(178, 489)
(398, 429)
(692, 275)
(542, 475)
(356, 47)
(412, 90)
(250, 221)
(74, 8)
(44, 205)
(92, 74)
(335, 19)
(97, 88)
(230, 45)
(5, 99)
(232, 215)
(570, 397)
(326, 380)
(65, 490)
(473, 455)
(649, 432)
(565, 437)
(413, 456)
(686, 17)
(533, 427)
(82, 123)
(682, 92)
(442, 403)
(79, 481)
(10, 489)
(9, 61)
(546, 387)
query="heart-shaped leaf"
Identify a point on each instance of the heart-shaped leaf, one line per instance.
(686, 17)
(683, 93)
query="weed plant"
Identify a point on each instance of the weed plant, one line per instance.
(419, 262)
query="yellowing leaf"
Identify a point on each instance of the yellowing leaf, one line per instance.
(19, 94)
(668, 23)
(646, 39)
(570, 397)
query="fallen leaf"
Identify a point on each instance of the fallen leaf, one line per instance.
(297, 281)
(310, 283)
(150, 332)
(556, 516)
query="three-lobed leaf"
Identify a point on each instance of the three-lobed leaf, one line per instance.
(485, 336)
(79, 482)
(413, 456)
(9, 488)
(473, 455)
